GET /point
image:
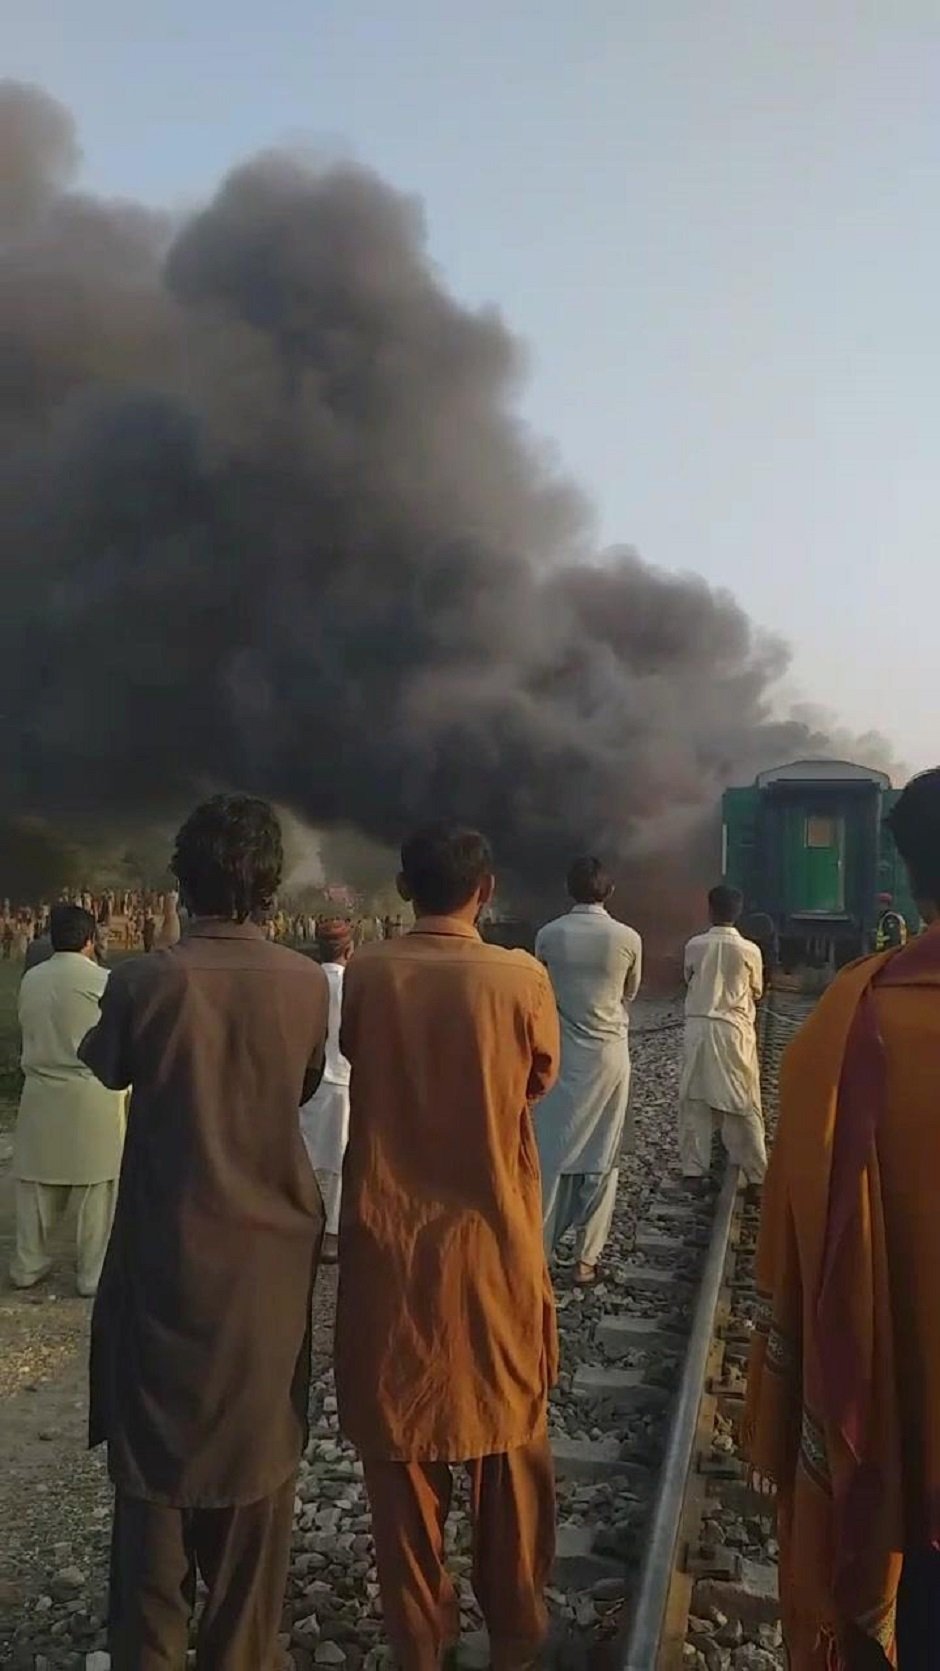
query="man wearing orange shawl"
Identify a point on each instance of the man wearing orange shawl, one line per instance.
(843, 1410)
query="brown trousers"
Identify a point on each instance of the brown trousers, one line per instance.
(513, 1507)
(242, 1554)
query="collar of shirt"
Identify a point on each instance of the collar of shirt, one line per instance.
(723, 928)
(589, 911)
(445, 925)
(218, 928)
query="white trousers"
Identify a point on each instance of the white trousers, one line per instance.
(741, 1134)
(331, 1189)
(39, 1208)
(584, 1202)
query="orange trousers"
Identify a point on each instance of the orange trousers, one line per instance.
(512, 1499)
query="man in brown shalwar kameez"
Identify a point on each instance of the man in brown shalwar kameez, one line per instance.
(200, 1333)
(446, 1344)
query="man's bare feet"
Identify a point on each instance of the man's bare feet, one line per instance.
(584, 1275)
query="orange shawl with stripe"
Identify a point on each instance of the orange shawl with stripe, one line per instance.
(822, 1419)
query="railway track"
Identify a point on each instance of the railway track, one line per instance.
(666, 1557)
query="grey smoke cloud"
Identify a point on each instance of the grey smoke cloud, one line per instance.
(268, 519)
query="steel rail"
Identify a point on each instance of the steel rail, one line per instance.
(652, 1595)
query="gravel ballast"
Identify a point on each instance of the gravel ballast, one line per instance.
(57, 1499)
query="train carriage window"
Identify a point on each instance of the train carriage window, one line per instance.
(821, 832)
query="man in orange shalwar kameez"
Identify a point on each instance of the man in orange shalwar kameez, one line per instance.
(445, 1339)
(844, 1387)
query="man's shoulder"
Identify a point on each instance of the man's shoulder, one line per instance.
(554, 929)
(747, 950)
(588, 922)
(379, 959)
(292, 971)
(557, 925)
(35, 980)
(512, 958)
(293, 963)
(847, 985)
(371, 951)
(508, 969)
(140, 973)
(253, 952)
(625, 934)
(371, 961)
(848, 970)
(65, 974)
(36, 996)
(92, 978)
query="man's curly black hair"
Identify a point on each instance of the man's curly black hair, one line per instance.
(914, 822)
(229, 858)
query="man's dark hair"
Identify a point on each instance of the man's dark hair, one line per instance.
(914, 822)
(442, 865)
(725, 905)
(229, 858)
(70, 928)
(588, 882)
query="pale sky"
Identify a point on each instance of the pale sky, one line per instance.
(713, 224)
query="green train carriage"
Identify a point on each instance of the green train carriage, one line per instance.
(807, 845)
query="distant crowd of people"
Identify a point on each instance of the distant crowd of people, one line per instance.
(436, 1113)
(127, 920)
(133, 920)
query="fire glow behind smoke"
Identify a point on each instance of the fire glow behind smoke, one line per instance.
(267, 520)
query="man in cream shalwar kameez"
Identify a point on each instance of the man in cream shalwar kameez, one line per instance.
(720, 1072)
(69, 1130)
(595, 965)
(324, 1120)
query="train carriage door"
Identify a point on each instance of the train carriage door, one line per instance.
(824, 864)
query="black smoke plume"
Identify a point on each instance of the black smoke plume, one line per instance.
(267, 519)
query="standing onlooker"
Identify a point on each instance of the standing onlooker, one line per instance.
(201, 1329)
(843, 1391)
(324, 1120)
(445, 1339)
(171, 928)
(595, 964)
(720, 1072)
(39, 949)
(69, 1130)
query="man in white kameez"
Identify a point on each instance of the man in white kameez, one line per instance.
(69, 1129)
(324, 1120)
(720, 1082)
(595, 964)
